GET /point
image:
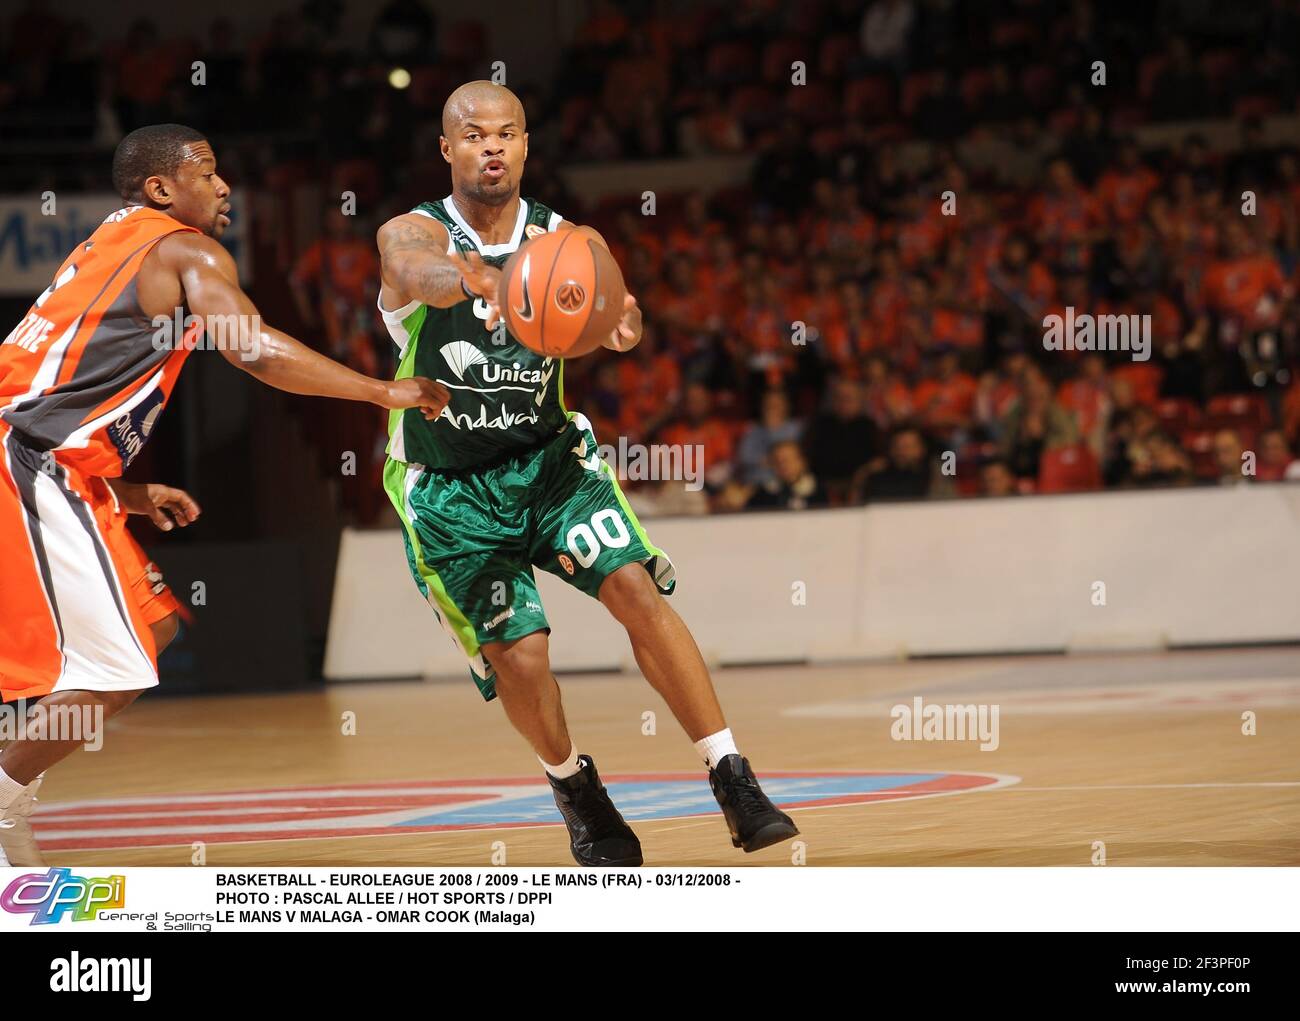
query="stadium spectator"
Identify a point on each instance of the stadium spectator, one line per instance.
(1228, 463)
(886, 32)
(1159, 461)
(997, 479)
(905, 473)
(1275, 461)
(698, 426)
(841, 439)
(775, 425)
(792, 486)
(1035, 423)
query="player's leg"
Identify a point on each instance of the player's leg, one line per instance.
(587, 534)
(93, 641)
(25, 761)
(667, 655)
(530, 695)
(473, 570)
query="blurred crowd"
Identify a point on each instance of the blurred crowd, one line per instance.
(862, 318)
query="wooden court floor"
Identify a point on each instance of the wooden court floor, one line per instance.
(1140, 757)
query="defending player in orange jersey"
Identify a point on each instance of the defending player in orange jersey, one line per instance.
(83, 379)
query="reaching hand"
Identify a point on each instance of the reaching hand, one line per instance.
(165, 506)
(483, 280)
(627, 334)
(416, 392)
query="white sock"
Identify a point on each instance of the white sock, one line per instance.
(714, 748)
(9, 789)
(566, 768)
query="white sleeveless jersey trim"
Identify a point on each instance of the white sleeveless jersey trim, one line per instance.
(555, 221)
(394, 322)
(451, 245)
(505, 248)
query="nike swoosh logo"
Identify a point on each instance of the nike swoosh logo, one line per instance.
(526, 312)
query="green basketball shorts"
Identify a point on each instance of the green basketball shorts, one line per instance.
(474, 536)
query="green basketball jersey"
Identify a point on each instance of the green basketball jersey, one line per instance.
(504, 397)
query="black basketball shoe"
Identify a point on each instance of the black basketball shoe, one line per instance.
(755, 822)
(597, 833)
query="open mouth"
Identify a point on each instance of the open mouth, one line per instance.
(494, 169)
(224, 214)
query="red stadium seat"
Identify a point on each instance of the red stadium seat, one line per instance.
(731, 63)
(430, 86)
(825, 141)
(1012, 32)
(1239, 411)
(1178, 415)
(914, 87)
(1143, 377)
(1037, 81)
(969, 459)
(974, 84)
(1127, 118)
(1148, 71)
(1068, 469)
(1063, 121)
(751, 103)
(574, 115)
(465, 41)
(735, 202)
(815, 102)
(689, 29)
(888, 132)
(1219, 64)
(1199, 443)
(1254, 106)
(870, 98)
(835, 54)
(659, 33)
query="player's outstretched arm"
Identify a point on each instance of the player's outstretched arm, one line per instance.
(414, 262)
(209, 279)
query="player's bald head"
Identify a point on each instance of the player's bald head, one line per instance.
(478, 100)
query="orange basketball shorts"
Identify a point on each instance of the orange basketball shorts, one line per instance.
(77, 593)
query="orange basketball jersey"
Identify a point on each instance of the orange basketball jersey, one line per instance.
(85, 373)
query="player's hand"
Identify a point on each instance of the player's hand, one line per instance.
(166, 506)
(627, 334)
(416, 392)
(483, 280)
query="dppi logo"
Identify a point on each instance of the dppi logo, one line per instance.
(47, 898)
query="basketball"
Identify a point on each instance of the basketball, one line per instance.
(563, 294)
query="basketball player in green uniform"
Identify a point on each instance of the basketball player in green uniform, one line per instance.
(506, 478)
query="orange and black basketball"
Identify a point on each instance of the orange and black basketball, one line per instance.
(562, 294)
